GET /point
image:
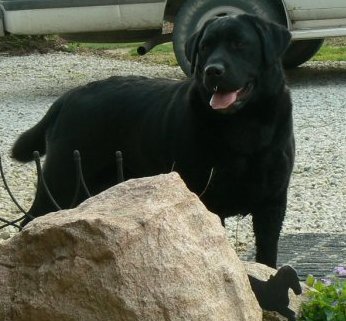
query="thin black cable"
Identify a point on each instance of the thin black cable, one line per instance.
(41, 179)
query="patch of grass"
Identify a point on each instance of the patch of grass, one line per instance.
(331, 53)
(102, 46)
(161, 54)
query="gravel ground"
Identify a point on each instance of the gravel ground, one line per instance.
(29, 84)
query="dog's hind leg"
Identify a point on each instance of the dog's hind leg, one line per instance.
(41, 205)
(60, 176)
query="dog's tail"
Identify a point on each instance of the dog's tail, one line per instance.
(34, 139)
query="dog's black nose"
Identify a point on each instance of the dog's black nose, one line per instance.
(215, 70)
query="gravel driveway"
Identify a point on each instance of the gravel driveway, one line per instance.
(28, 85)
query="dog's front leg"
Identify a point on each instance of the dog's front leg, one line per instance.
(267, 223)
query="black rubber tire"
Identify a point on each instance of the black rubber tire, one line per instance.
(301, 51)
(193, 13)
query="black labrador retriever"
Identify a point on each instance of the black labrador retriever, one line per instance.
(229, 125)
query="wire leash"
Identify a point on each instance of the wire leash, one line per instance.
(81, 186)
(208, 182)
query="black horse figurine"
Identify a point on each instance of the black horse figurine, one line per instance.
(272, 295)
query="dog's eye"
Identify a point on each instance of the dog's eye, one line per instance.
(238, 44)
(203, 47)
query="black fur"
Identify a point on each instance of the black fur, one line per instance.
(158, 122)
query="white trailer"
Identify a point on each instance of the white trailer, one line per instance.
(310, 21)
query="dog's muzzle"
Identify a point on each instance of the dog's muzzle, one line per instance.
(224, 99)
(224, 96)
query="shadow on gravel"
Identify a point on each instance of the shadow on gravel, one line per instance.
(318, 74)
(309, 253)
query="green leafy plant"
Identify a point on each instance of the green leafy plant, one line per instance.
(327, 298)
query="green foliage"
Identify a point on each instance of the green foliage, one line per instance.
(327, 299)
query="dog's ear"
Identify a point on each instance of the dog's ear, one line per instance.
(191, 45)
(275, 38)
(191, 49)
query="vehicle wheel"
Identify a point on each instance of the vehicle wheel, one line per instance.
(194, 13)
(300, 51)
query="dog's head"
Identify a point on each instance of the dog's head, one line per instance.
(228, 54)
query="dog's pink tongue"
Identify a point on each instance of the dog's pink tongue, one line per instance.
(223, 100)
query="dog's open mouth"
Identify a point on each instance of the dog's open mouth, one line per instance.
(223, 99)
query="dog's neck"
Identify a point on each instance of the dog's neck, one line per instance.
(275, 80)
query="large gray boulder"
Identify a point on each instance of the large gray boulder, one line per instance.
(145, 250)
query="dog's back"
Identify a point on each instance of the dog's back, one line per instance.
(101, 106)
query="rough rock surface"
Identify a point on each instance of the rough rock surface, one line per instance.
(146, 249)
(263, 272)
